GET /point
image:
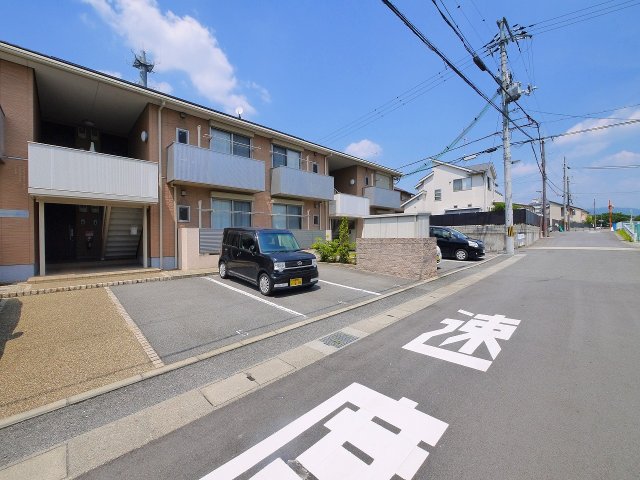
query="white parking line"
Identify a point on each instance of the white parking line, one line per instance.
(350, 288)
(256, 297)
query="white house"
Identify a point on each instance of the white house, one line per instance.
(455, 189)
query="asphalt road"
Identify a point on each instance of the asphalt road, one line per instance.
(559, 397)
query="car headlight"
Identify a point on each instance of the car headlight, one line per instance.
(473, 244)
(314, 262)
(279, 266)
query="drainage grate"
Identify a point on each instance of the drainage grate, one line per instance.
(338, 339)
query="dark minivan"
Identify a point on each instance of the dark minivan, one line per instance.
(456, 244)
(268, 258)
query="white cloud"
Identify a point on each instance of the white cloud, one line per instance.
(263, 92)
(621, 158)
(163, 87)
(176, 44)
(364, 149)
(604, 136)
(521, 169)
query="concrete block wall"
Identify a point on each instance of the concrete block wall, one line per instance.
(413, 258)
(493, 235)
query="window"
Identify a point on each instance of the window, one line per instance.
(284, 157)
(383, 181)
(182, 136)
(314, 167)
(366, 180)
(247, 242)
(437, 195)
(316, 219)
(488, 183)
(232, 143)
(462, 184)
(184, 213)
(230, 213)
(287, 216)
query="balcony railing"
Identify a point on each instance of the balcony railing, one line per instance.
(382, 197)
(292, 182)
(344, 205)
(193, 165)
(79, 174)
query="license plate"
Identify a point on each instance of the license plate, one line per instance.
(295, 282)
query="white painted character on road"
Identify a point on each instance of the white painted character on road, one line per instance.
(382, 438)
(481, 329)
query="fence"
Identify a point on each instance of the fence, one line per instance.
(211, 239)
(520, 217)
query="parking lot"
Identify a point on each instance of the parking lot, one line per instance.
(191, 316)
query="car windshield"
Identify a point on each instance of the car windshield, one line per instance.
(277, 242)
(458, 234)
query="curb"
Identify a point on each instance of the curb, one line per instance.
(21, 417)
(113, 283)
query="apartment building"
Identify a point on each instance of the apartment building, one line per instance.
(455, 189)
(94, 169)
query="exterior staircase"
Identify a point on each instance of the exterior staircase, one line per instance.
(122, 229)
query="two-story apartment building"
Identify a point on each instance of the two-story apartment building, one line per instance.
(94, 169)
(455, 189)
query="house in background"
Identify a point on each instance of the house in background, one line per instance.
(96, 171)
(455, 189)
(555, 212)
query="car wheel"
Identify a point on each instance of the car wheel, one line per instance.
(222, 270)
(265, 284)
(461, 254)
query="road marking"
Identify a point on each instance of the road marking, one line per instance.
(613, 249)
(142, 340)
(275, 305)
(400, 452)
(350, 288)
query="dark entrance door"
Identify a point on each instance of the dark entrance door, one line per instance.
(72, 232)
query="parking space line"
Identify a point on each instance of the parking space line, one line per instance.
(279, 307)
(350, 288)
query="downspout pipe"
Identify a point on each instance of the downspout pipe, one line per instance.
(160, 186)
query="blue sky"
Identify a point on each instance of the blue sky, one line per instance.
(350, 75)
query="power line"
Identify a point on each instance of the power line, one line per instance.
(609, 167)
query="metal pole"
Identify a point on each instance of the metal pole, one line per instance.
(41, 238)
(508, 209)
(545, 225)
(564, 193)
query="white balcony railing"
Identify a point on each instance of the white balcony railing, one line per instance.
(78, 174)
(352, 206)
(382, 197)
(190, 164)
(292, 182)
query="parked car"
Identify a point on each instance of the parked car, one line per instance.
(268, 258)
(456, 244)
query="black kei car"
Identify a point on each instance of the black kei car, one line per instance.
(456, 244)
(268, 258)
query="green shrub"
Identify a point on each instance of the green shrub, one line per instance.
(338, 250)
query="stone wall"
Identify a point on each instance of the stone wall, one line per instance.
(413, 258)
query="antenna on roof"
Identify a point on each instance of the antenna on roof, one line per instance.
(144, 66)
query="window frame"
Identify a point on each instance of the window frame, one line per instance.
(182, 130)
(437, 195)
(234, 147)
(180, 209)
(232, 212)
(286, 152)
(289, 218)
(462, 182)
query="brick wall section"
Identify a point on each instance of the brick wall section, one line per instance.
(19, 103)
(413, 258)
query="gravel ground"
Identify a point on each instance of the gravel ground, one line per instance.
(57, 345)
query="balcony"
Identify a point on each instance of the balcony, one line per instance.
(292, 182)
(344, 205)
(187, 164)
(61, 172)
(382, 197)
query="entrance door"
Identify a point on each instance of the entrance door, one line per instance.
(60, 232)
(89, 228)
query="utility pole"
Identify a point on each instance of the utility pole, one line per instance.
(594, 213)
(568, 204)
(506, 141)
(564, 193)
(610, 216)
(545, 227)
